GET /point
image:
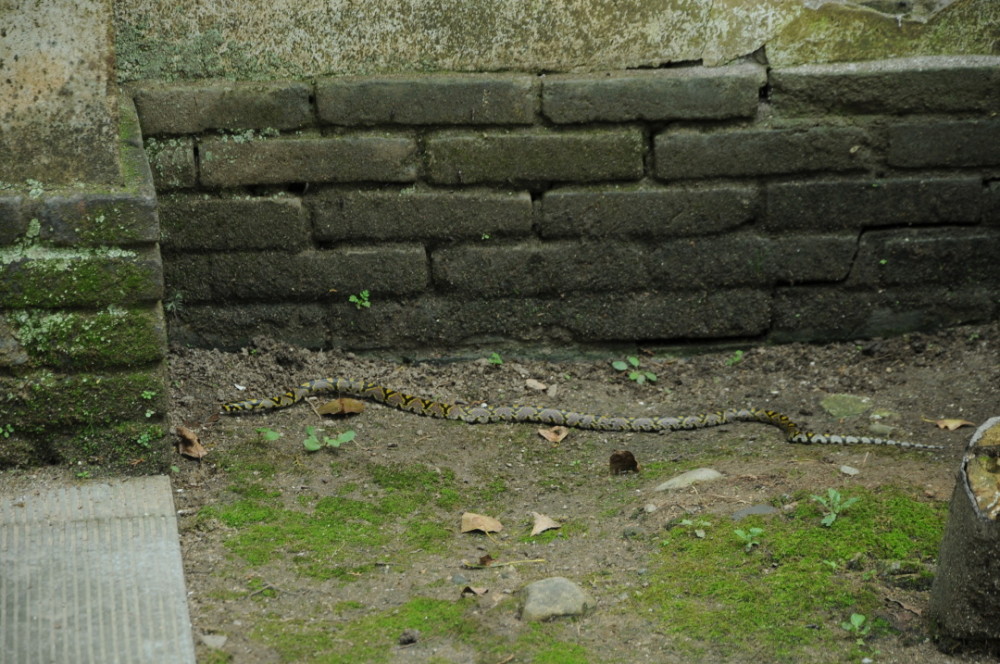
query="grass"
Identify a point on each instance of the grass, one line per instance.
(792, 592)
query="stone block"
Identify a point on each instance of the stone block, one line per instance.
(830, 313)
(419, 214)
(991, 204)
(531, 268)
(232, 224)
(926, 84)
(88, 340)
(683, 93)
(342, 158)
(13, 224)
(233, 326)
(944, 143)
(437, 99)
(172, 163)
(686, 153)
(535, 155)
(91, 277)
(699, 263)
(831, 205)
(808, 258)
(646, 212)
(194, 107)
(94, 220)
(914, 257)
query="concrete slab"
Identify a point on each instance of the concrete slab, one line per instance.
(92, 574)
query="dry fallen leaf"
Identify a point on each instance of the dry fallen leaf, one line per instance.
(623, 461)
(486, 560)
(554, 435)
(950, 423)
(474, 591)
(341, 406)
(188, 443)
(486, 524)
(543, 523)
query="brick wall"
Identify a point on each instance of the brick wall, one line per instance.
(817, 202)
(82, 335)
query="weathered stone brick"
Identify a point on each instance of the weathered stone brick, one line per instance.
(746, 152)
(950, 143)
(47, 278)
(706, 262)
(532, 268)
(911, 257)
(419, 214)
(98, 220)
(344, 158)
(233, 326)
(187, 279)
(925, 84)
(643, 211)
(77, 340)
(830, 313)
(859, 203)
(172, 163)
(991, 205)
(196, 222)
(432, 99)
(806, 258)
(308, 276)
(13, 224)
(692, 93)
(191, 108)
(535, 155)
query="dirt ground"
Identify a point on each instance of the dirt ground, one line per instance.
(618, 519)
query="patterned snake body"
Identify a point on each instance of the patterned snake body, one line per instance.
(483, 414)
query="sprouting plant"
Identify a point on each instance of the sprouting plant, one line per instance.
(6, 430)
(750, 537)
(697, 527)
(83, 475)
(858, 626)
(361, 300)
(174, 303)
(635, 371)
(834, 504)
(270, 435)
(148, 395)
(486, 236)
(735, 358)
(316, 441)
(495, 358)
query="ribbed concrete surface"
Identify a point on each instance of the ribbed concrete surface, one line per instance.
(92, 574)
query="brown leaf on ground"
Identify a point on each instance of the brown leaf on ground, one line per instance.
(188, 443)
(554, 435)
(949, 423)
(543, 523)
(474, 591)
(486, 560)
(623, 461)
(486, 524)
(342, 406)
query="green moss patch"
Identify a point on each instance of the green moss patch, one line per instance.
(790, 594)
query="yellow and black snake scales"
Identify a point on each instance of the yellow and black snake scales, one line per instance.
(483, 414)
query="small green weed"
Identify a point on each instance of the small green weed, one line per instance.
(315, 442)
(834, 505)
(6, 430)
(83, 475)
(858, 626)
(750, 537)
(635, 371)
(148, 395)
(269, 435)
(697, 527)
(735, 358)
(495, 358)
(361, 300)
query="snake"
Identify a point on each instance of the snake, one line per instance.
(517, 413)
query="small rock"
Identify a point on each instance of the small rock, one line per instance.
(214, 640)
(649, 508)
(459, 580)
(845, 405)
(849, 470)
(689, 478)
(554, 597)
(409, 636)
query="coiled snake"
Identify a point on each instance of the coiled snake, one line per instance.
(483, 414)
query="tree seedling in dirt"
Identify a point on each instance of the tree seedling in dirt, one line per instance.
(361, 300)
(734, 359)
(697, 527)
(635, 371)
(495, 358)
(834, 504)
(316, 441)
(749, 537)
(858, 626)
